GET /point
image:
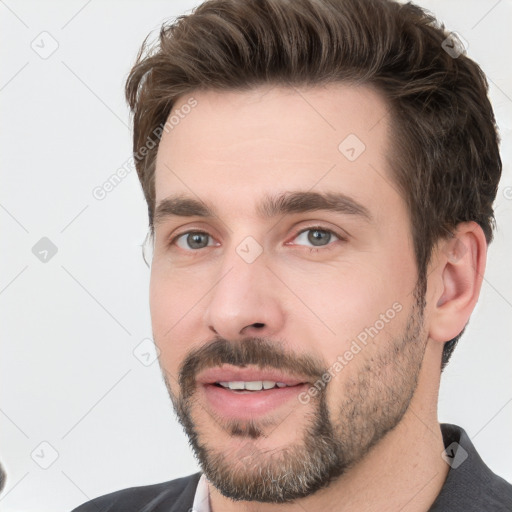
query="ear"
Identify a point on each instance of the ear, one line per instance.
(457, 276)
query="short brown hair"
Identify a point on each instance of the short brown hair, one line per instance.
(444, 155)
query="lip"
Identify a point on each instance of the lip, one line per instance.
(229, 373)
(245, 405)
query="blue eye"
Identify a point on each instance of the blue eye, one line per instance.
(193, 240)
(317, 236)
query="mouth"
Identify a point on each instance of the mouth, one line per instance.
(254, 385)
(248, 378)
(245, 393)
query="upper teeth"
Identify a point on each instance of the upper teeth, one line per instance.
(254, 385)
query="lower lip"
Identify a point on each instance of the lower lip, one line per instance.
(248, 404)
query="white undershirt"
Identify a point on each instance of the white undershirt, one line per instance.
(202, 496)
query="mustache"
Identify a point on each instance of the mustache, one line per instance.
(261, 352)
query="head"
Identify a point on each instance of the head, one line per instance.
(316, 174)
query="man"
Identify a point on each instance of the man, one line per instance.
(320, 177)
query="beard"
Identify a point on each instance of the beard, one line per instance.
(372, 401)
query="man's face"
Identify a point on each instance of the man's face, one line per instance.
(276, 287)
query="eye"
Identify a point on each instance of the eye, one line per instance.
(317, 236)
(192, 240)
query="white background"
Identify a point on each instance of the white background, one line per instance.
(69, 326)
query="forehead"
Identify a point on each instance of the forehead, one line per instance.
(249, 143)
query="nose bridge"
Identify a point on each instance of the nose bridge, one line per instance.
(244, 293)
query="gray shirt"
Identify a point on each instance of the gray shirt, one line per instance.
(469, 487)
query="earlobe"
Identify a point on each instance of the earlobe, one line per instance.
(459, 271)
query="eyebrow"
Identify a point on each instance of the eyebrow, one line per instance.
(270, 207)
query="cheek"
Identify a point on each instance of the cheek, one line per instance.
(347, 297)
(173, 302)
(162, 304)
(362, 308)
(173, 294)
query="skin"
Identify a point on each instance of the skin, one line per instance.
(231, 150)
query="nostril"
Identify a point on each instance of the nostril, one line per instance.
(259, 325)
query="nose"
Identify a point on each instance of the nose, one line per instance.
(245, 300)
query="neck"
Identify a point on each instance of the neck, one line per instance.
(403, 471)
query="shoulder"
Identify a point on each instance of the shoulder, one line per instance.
(166, 496)
(470, 484)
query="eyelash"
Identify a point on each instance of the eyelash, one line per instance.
(327, 247)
